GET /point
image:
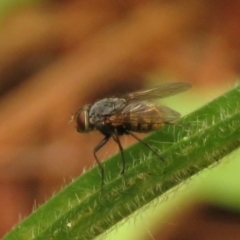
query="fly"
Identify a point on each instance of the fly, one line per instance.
(132, 112)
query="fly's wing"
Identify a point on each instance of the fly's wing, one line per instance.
(143, 112)
(160, 91)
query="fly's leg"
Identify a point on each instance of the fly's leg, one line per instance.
(144, 143)
(117, 140)
(99, 146)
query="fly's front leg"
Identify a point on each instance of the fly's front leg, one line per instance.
(117, 140)
(99, 146)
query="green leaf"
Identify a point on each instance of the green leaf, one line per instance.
(83, 210)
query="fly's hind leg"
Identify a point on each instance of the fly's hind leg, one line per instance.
(144, 143)
(99, 146)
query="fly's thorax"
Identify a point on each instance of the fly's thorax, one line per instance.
(82, 119)
(106, 106)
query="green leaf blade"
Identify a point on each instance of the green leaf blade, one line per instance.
(83, 210)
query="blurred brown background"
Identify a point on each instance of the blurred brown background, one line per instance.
(58, 55)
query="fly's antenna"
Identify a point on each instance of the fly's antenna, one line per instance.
(75, 115)
(72, 118)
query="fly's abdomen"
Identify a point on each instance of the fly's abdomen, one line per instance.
(139, 117)
(141, 123)
(143, 127)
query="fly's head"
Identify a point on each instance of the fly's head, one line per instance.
(82, 119)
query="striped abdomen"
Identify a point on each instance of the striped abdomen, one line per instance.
(141, 116)
(143, 127)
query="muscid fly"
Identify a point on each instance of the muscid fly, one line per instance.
(132, 112)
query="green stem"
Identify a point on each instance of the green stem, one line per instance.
(83, 211)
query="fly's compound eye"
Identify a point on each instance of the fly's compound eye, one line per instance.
(82, 120)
